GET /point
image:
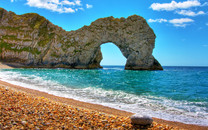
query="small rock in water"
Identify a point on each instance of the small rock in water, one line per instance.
(138, 119)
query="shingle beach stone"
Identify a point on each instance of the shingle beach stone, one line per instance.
(138, 119)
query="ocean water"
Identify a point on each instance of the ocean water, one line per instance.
(176, 94)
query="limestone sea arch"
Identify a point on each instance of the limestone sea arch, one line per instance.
(30, 40)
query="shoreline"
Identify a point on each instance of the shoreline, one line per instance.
(5, 66)
(98, 108)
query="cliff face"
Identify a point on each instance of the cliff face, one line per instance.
(32, 41)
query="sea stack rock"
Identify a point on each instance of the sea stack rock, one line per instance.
(30, 40)
(138, 119)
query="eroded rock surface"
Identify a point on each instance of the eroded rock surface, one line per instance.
(32, 41)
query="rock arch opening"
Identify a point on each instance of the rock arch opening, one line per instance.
(112, 55)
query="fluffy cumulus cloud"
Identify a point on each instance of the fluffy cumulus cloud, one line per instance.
(182, 22)
(88, 6)
(157, 20)
(175, 5)
(61, 6)
(190, 13)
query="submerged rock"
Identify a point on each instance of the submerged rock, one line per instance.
(32, 41)
(138, 119)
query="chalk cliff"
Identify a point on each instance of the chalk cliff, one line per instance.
(30, 40)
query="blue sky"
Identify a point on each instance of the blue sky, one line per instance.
(181, 26)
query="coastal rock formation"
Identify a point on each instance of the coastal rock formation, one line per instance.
(32, 41)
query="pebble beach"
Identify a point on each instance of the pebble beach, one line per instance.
(19, 110)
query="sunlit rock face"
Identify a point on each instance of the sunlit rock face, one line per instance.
(30, 40)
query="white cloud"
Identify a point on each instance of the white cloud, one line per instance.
(157, 20)
(183, 22)
(88, 6)
(174, 5)
(79, 9)
(68, 10)
(66, 2)
(180, 22)
(78, 2)
(190, 13)
(61, 6)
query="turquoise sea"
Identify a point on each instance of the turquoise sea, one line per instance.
(176, 94)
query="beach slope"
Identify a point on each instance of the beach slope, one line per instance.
(23, 108)
(5, 66)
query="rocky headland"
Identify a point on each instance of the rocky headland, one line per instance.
(30, 40)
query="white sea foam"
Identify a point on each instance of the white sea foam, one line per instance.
(182, 111)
